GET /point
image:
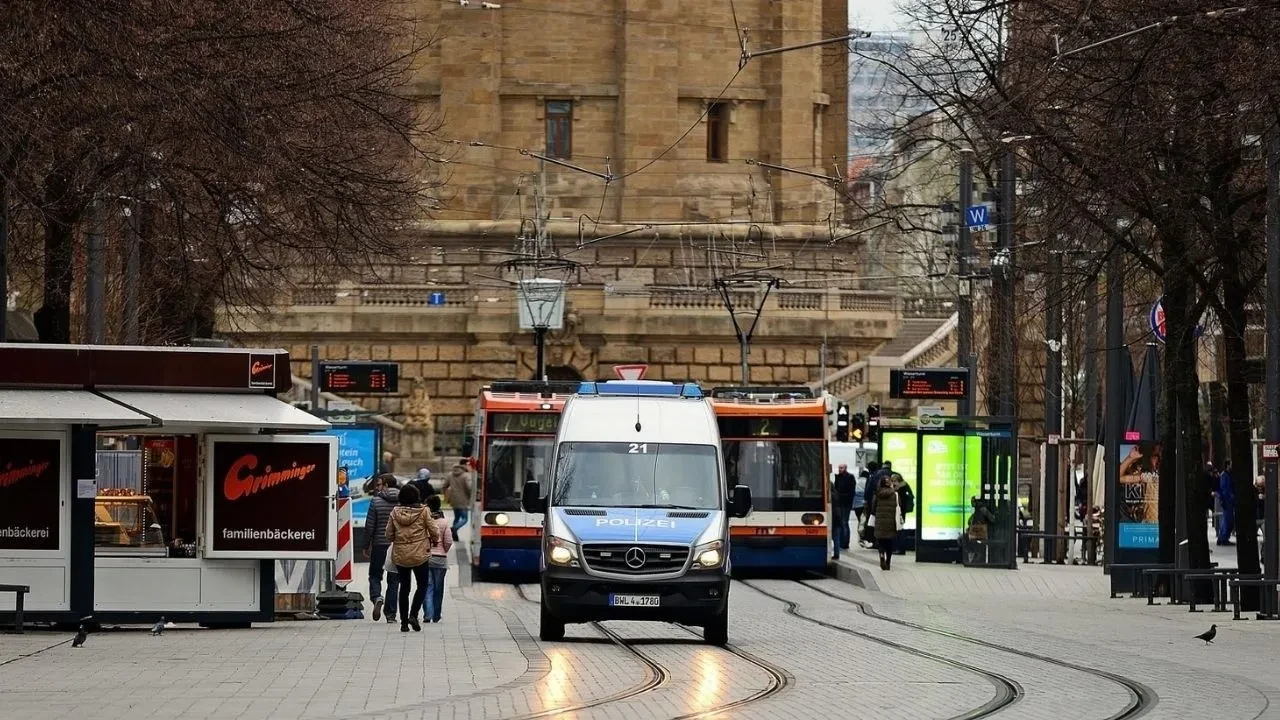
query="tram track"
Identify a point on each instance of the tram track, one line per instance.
(1142, 699)
(779, 678)
(1008, 691)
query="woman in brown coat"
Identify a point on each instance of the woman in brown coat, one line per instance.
(412, 531)
(884, 505)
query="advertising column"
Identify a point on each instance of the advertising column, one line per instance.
(271, 497)
(942, 482)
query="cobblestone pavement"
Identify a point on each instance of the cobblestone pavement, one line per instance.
(483, 661)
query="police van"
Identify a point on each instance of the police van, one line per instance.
(637, 510)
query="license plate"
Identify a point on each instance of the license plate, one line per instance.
(633, 600)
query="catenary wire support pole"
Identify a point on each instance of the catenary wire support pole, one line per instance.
(746, 55)
(964, 345)
(1116, 350)
(315, 378)
(1002, 276)
(1271, 492)
(1052, 401)
(94, 299)
(744, 334)
(132, 268)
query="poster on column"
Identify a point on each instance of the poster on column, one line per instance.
(942, 481)
(1138, 514)
(272, 497)
(30, 493)
(899, 448)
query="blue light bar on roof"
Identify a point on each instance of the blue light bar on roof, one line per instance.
(640, 388)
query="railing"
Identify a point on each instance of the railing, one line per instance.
(940, 344)
(695, 300)
(928, 307)
(847, 383)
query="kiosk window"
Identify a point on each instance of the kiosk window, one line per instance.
(146, 502)
(509, 463)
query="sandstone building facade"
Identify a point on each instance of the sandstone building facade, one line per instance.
(649, 94)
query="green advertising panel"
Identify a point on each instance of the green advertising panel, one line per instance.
(942, 486)
(972, 468)
(900, 448)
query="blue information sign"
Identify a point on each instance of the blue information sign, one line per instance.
(976, 217)
(435, 298)
(358, 452)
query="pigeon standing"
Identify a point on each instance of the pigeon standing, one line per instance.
(81, 634)
(1208, 635)
(158, 628)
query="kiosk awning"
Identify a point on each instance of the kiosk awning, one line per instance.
(65, 407)
(219, 411)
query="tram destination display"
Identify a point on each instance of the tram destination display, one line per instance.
(360, 377)
(545, 423)
(930, 384)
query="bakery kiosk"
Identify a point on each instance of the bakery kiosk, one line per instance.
(141, 482)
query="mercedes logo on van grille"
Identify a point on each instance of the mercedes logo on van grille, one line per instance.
(635, 558)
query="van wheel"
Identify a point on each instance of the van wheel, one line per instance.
(716, 631)
(550, 628)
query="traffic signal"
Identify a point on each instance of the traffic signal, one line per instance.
(842, 422)
(858, 427)
(873, 422)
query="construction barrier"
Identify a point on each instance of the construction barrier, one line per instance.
(346, 548)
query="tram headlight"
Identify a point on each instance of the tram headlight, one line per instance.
(501, 519)
(709, 555)
(562, 552)
(811, 518)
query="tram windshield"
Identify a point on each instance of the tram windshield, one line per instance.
(623, 474)
(509, 464)
(783, 475)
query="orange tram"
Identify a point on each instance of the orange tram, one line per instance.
(515, 426)
(775, 442)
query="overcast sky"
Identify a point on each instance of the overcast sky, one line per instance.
(874, 14)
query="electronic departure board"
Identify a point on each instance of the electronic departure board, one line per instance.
(360, 377)
(524, 423)
(930, 384)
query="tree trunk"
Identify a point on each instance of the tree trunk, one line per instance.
(1233, 320)
(53, 319)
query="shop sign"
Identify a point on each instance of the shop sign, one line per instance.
(30, 493)
(272, 497)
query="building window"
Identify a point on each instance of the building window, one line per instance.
(718, 132)
(559, 129)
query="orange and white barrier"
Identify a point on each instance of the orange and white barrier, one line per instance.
(346, 550)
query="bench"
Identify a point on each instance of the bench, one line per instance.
(1176, 580)
(1219, 579)
(21, 592)
(1138, 588)
(1268, 609)
(1091, 541)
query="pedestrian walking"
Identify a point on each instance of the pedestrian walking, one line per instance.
(907, 505)
(412, 531)
(1227, 497)
(438, 563)
(386, 494)
(860, 497)
(846, 487)
(877, 472)
(457, 490)
(887, 516)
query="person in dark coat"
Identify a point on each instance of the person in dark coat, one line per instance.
(884, 508)
(386, 493)
(907, 503)
(846, 486)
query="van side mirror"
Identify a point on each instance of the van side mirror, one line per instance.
(531, 498)
(740, 502)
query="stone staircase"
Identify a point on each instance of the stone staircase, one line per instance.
(921, 343)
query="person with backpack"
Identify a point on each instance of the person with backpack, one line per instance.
(412, 532)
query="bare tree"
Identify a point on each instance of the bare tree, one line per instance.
(249, 138)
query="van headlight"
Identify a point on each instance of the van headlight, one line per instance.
(562, 552)
(708, 555)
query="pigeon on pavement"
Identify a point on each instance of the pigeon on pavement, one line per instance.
(158, 628)
(1208, 635)
(80, 637)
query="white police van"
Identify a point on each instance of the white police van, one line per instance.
(637, 513)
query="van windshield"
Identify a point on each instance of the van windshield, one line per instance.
(620, 474)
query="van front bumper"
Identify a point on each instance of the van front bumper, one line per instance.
(573, 596)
